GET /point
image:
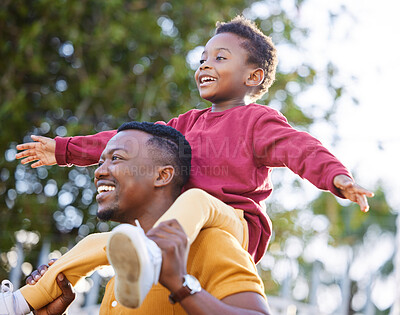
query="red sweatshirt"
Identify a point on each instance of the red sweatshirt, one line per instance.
(233, 153)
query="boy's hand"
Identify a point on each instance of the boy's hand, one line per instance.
(352, 191)
(43, 150)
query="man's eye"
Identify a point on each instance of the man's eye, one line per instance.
(100, 164)
(114, 158)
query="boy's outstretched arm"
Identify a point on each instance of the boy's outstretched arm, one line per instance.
(43, 151)
(352, 191)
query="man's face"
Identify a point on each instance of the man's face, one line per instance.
(125, 177)
(222, 74)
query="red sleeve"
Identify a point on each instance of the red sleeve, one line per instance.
(171, 123)
(81, 150)
(277, 144)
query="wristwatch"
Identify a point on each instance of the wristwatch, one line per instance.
(190, 286)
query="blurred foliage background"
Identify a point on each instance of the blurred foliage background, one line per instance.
(80, 67)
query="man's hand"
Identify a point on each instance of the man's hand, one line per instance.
(60, 304)
(34, 277)
(352, 191)
(173, 242)
(43, 151)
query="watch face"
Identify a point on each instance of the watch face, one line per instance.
(192, 283)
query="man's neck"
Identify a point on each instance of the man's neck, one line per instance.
(153, 212)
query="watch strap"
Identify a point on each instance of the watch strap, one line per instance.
(179, 295)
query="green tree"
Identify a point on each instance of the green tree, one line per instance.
(80, 67)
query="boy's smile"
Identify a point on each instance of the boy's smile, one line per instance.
(222, 75)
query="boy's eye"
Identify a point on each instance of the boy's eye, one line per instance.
(220, 58)
(202, 61)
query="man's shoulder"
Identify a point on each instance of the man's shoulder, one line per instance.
(221, 265)
(216, 245)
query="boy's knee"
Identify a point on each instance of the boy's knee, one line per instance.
(194, 193)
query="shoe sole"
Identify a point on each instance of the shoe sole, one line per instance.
(122, 255)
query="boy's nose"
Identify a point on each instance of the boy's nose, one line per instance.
(205, 65)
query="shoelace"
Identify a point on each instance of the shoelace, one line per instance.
(6, 286)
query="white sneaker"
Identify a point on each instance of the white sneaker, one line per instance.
(7, 301)
(137, 263)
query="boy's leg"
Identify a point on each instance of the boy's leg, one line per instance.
(84, 258)
(195, 209)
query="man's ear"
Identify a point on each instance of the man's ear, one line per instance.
(255, 78)
(165, 175)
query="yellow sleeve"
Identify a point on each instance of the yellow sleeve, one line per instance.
(83, 259)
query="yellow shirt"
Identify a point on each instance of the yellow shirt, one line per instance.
(216, 259)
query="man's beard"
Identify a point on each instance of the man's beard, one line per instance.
(107, 215)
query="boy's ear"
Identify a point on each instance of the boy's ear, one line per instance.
(165, 175)
(255, 78)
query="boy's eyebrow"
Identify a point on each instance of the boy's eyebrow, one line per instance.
(218, 49)
(222, 48)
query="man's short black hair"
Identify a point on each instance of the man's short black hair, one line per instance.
(170, 148)
(261, 50)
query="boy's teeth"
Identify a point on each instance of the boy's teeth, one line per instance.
(204, 79)
(104, 188)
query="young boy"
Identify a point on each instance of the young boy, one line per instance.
(235, 142)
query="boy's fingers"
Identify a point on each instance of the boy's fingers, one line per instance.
(28, 159)
(25, 152)
(37, 164)
(42, 140)
(362, 201)
(25, 146)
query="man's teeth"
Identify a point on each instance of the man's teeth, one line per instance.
(104, 188)
(206, 79)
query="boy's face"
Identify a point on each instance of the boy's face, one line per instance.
(223, 72)
(125, 177)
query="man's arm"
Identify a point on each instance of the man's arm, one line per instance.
(60, 304)
(172, 240)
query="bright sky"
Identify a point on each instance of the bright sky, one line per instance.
(371, 141)
(363, 44)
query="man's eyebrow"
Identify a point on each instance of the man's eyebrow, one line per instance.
(111, 151)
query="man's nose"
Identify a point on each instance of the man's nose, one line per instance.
(101, 170)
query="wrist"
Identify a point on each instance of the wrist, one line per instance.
(189, 286)
(173, 284)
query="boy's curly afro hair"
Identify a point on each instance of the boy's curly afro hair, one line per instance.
(261, 50)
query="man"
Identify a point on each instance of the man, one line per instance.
(140, 174)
